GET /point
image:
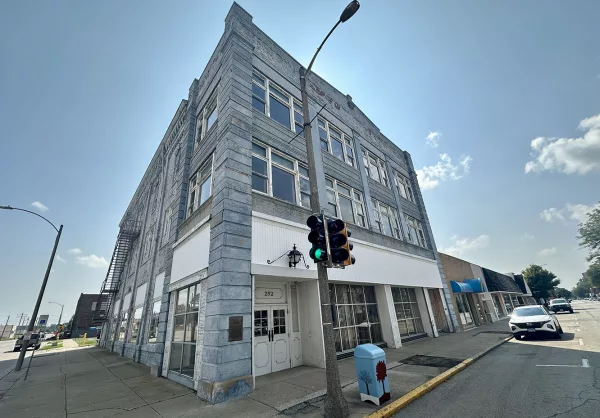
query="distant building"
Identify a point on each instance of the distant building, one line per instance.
(84, 319)
(6, 331)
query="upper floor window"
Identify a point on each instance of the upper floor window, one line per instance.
(345, 203)
(335, 142)
(280, 176)
(200, 187)
(207, 117)
(403, 185)
(386, 219)
(275, 102)
(375, 168)
(415, 231)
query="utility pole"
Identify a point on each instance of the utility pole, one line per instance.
(4, 329)
(335, 403)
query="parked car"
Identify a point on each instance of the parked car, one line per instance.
(534, 319)
(558, 305)
(34, 342)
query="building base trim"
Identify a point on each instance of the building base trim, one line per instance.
(217, 392)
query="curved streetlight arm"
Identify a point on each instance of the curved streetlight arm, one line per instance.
(321, 46)
(8, 207)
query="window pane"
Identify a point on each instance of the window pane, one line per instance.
(189, 358)
(305, 200)
(324, 145)
(303, 170)
(337, 149)
(258, 91)
(344, 189)
(329, 183)
(376, 335)
(258, 78)
(193, 299)
(191, 321)
(369, 294)
(386, 225)
(374, 171)
(346, 209)
(178, 331)
(299, 129)
(257, 149)
(373, 314)
(396, 294)
(403, 328)
(175, 360)
(154, 322)
(205, 191)
(304, 186)
(334, 133)
(283, 185)
(358, 295)
(364, 336)
(338, 340)
(259, 183)
(135, 323)
(279, 112)
(298, 118)
(279, 93)
(342, 316)
(343, 293)
(181, 301)
(282, 161)
(258, 105)
(210, 120)
(259, 166)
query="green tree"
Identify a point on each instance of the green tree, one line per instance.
(582, 288)
(589, 235)
(563, 293)
(593, 274)
(541, 281)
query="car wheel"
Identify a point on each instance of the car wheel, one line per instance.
(16, 349)
(519, 337)
(571, 311)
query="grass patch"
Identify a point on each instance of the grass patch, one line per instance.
(50, 346)
(88, 341)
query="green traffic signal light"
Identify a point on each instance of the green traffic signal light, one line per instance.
(319, 254)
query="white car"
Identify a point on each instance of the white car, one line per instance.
(534, 319)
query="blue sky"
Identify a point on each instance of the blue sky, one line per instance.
(87, 90)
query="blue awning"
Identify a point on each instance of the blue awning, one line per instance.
(468, 286)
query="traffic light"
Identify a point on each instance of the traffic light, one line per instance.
(339, 246)
(317, 238)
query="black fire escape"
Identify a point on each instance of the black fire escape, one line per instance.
(129, 231)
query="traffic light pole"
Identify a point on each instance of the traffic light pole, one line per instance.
(335, 403)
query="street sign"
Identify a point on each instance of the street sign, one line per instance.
(42, 322)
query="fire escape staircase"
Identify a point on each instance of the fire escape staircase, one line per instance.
(129, 231)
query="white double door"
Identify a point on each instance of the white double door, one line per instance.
(271, 339)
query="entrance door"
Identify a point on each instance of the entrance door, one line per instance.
(464, 311)
(438, 310)
(271, 340)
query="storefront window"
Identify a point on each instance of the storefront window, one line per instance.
(154, 322)
(355, 316)
(124, 316)
(407, 311)
(183, 345)
(497, 306)
(507, 304)
(464, 310)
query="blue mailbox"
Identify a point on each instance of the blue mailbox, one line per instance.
(371, 372)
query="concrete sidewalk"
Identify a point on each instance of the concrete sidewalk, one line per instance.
(91, 382)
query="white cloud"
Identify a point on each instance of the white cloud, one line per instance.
(528, 237)
(463, 245)
(40, 206)
(568, 155)
(579, 212)
(547, 251)
(92, 261)
(575, 212)
(431, 176)
(74, 251)
(552, 214)
(433, 139)
(59, 258)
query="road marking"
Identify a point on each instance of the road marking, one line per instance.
(580, 341)
(585, 363)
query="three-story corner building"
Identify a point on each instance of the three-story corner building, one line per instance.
(197, 289)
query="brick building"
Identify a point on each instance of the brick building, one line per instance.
(191, 291)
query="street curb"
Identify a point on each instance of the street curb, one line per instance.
(431, 384)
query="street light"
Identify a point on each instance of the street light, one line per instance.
(61, 310)
(42, 289)
(335, 403)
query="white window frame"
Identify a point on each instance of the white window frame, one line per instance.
(294, 105)
(392, 213)
(143, 288)
(156, 299)
(211, 105)
(378, 165)
(196, 181)
(415, 224)
(403, 186)
(270, 164)
(346, 141)
(356, 198)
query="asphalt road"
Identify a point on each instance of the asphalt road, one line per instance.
(529, 378)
